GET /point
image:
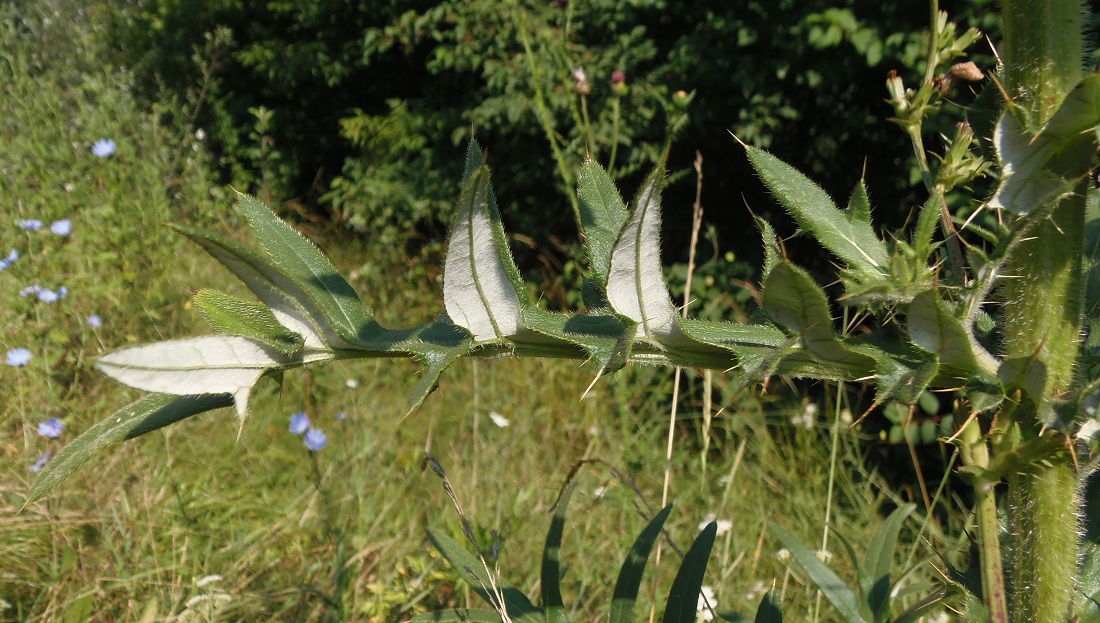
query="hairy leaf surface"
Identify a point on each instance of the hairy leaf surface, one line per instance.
(233, 316)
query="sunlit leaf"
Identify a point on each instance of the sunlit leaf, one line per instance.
(683, 597)
(233, 316)
(829, 583)
(625, 596)
(603, 215)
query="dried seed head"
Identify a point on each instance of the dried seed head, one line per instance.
(966, 71)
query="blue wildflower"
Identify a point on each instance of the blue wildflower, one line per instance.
(104, 148)
(47, 296)
(315, 439)
(94, 321)
(63, 292)
(31, 224)
(340, 415)
(299, 423)
(9, 260)
(50, 428)
(42, 458)
(19, 357)
(64, 227)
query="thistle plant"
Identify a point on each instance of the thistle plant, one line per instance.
(921, 296)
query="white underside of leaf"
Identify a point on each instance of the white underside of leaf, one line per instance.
(636, 285)
(292, 318)
(216, 364)
(476, 290)
(1025, 183)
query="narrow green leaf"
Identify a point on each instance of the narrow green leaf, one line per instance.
(480, 287)
(934, 328)
(683, 597)
(473, 572)
(630, 575)
(879, 560)
(636, 285)
(148, 414)
(301, 261)
(794, 301)
(456, 615)
(603, 215)
(772, 252)
(550, 583)
(1035, 169)
(830, 585)
(233, 316)
(926, 225)
(853, 240)
(920, 609)
(769, 610)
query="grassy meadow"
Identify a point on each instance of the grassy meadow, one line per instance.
(140, 533)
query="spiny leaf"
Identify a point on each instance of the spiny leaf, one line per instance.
(683, 597)
(233, 316)
(630, 575)
(1034, 169)
(828, 582)
(934, 328)
(478, 290)
(603, 215)
(146, 415)
(772, 253)
(436, 346)
(859, 205)
(853, 240)
(604, 336)
(214, 364)
(309, 269)
(636, 285)
(794, 301)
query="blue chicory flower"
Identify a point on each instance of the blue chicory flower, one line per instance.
(50, 428)
(340, 415)
(42, 458)
(19, 357)
(62, 292)
(64, 227)
(315, 439)
(31, 224)
(94, 321)
(9, 260)
(29, 290)
(48, 296)
(299, 423)
(104, 148)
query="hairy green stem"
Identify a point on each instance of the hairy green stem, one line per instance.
(975, 453)
(1042, 51)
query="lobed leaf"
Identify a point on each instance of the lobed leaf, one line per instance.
(233, 316)
(605, 337)
(309, 269)
(148, 414)
(625, 594)
(849, 236)
(683, 597)
(436, 346)
(479, 277)
(636, 285)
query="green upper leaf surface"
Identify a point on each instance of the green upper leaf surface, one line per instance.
(301, 261)
(934, 328)
(683, 597)
(829, 583)
(603, 214)
(848, 235)
(605, 337)
(625, 595)
(233, 316)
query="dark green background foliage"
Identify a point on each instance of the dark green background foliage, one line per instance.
(366, 105)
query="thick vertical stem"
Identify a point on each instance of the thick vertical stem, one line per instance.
(1043, 303)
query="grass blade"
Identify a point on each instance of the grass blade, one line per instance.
(146, 415)
(630, 576)
(551, 562)
(828, 582)
(683, 597)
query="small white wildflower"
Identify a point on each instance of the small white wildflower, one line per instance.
(823, 555)
(499, 419)
(755, 592)
(200, 134)
(724, 525)
(783, 555)
(599, 491)
(846, 417)
(210, 579)
(351, 383)
(707, 603)
(593, 430)
(69, 187)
